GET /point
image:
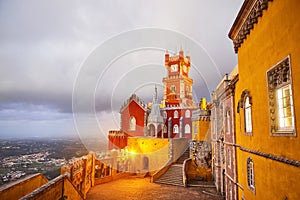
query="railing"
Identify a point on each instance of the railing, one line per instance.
(184, 172)
(58, 188)
(173, 157)
(112, 168)
(161, 171)
(22, 187)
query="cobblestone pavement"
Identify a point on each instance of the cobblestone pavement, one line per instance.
(140, 188)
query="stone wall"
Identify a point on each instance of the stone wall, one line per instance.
(22, 187)
(82, 172)
(148, 154)
(58, 188)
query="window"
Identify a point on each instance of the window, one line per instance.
(227, 118)
(282, 121)
(195, 129)
(165, 129)
(250, 174)
(132, 124)
(165, 114)
(229, 158)
(187, 129)
(248, 117)
(175, 129)
(246, 104)
(173, 88)
(285, 108)
(175, 114)
(187, 114)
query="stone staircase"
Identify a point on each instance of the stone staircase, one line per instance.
(184, 156)
(173, 175)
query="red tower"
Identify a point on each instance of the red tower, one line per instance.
(178, 97)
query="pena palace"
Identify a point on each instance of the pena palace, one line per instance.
(245, 143)
(171, 118)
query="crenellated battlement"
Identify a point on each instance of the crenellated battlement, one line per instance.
(135, 98)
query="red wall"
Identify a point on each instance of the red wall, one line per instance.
(117, 142)
(181, 112)
(135, 110)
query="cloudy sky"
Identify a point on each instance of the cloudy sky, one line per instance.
(101, 52)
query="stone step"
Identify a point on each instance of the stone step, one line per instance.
(173, 176)
(179, 183)
(184, 156)
(170, 180)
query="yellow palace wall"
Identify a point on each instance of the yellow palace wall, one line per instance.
(273, 38)
(203, 128)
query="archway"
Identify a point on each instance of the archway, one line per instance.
(151, 130)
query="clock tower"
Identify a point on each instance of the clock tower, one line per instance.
(177, 84)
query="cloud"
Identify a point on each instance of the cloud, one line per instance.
(44, 44)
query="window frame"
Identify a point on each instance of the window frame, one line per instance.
(250, 174)
(187, 114)
(175, 114)
(173, 88)
(187, 126)
(229, 157)
(278, 78)
(227, 120)
(247, 111)
(176, 129)
(165, 114)
(195, 129)
(131, 126)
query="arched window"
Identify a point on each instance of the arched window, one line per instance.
(151, 130)
(227, 120)
(165, 114)
(132, 124)
(173, 88)
(187, 129)
(175, 114)
(175, 129)
(229, 158)
(250, 173)
(165, 129)
(248, 115)
(187, 114)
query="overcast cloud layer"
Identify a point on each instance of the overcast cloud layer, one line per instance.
(43, 45)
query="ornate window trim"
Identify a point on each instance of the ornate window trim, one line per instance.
(250, 175)
(279, 78)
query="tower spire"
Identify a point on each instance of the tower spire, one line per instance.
(155, 95)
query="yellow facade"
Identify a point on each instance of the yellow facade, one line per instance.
(274, 37)
(148, 154)
(23, 187)
(202, 125)
(201, 122)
